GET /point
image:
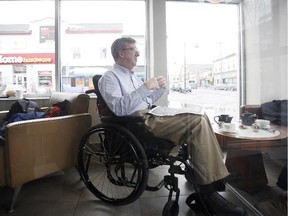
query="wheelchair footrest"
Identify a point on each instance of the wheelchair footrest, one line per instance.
(171, 181)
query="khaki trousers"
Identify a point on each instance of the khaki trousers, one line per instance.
(196, 131)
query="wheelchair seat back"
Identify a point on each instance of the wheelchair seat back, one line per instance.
(152, 145)
(103, 108)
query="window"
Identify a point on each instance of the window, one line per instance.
(86, 31)
(203, 58)
(86, 38)
(27, 48)
(203, 49)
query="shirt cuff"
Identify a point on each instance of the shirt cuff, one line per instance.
(143, 91)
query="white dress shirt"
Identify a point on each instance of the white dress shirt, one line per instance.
(125, 93)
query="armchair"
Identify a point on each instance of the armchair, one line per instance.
(39, 147)
(255, 109)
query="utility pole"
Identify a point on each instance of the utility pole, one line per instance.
(221, 61)
(185, 67)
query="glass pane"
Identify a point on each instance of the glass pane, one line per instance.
(257, 153)
(27, 47)
(203, 57)
(86, 38)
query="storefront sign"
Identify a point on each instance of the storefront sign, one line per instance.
(29, 58)
(45, 73)
(47, 34)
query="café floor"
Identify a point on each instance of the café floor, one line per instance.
(64, 194)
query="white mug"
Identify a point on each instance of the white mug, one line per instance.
(229, 127)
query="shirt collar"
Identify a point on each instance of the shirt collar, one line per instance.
(123, 69)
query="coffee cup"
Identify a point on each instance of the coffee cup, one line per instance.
(229, 127)
(262, 123)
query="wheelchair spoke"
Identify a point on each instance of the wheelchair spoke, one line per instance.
(110, 166)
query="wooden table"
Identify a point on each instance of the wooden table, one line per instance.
(248, 139)
(244, 149)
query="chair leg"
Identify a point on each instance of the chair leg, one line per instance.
(14, 198)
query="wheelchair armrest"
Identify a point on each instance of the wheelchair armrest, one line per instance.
(90, 91)
(122, 119)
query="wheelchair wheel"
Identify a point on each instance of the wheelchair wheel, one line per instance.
(171, 208)
(112, 164)
(188, 175)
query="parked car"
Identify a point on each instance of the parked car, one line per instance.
(220, 87)
(226, 87)
(231, 87)
(193, 84)
(175, 86)
(186, 88)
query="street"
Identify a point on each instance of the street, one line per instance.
(215, 101)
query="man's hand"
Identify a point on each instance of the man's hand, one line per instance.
(152, 84)
(156, 83)
(161, 81)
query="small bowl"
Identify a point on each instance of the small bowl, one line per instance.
(263, 123)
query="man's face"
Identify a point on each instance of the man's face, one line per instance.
(128, 56)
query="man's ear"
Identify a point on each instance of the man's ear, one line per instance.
(121, 54)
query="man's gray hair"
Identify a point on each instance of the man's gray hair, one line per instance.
(119, 44)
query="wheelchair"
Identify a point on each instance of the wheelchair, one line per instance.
(115, 157)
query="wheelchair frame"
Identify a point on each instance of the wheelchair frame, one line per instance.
(115, 156)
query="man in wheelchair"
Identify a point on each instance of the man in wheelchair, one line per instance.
(125, 94)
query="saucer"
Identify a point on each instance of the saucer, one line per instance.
(265, 127)
(228, 131)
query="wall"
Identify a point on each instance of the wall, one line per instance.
(265, 50)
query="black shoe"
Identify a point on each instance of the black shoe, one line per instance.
(222, 207)
(219, 186)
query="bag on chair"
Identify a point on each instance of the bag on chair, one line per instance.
(275, 111)
(22, 106)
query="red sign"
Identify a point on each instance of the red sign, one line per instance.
(27, 58)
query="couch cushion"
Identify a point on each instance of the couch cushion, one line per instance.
(79, 102)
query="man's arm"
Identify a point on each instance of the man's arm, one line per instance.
(120, 97)
(159, 90)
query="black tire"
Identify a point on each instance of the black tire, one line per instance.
(171, 208)
(189, 175)
(112, 164)
(189, 178)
